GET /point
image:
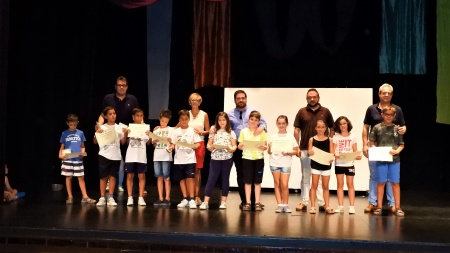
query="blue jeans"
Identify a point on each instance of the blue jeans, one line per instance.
(306, 180)
(373, 182)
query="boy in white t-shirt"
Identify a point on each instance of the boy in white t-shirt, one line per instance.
(136, 157)
(185, 141)
(162, 158)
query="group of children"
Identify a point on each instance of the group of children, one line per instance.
(222, 143)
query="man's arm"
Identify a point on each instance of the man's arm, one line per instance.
(297, 132)
(365, 139)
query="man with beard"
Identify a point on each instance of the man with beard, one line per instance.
(239, 120)
(373, 117)
(305, 123)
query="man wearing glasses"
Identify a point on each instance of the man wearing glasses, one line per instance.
(123, 104)
(373, 117)
(239, 120)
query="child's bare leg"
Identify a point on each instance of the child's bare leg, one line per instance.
(198, 182)
(326, 190)
(380, 193)
(141, 184)
(160, 186)
(103, 186)
(312, 191)
(112, 185)
(130, 177)
(340, 188)
(257, 193)
(351, 190)
(284, 186)
(82, 185)
(396, 191)
(191, 187)
(248, 192)
(183, 188)
(69, 187)
(168, 186)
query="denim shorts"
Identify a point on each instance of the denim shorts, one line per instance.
(162, 168)
(283, 170)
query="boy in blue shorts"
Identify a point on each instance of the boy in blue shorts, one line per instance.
(385, 134)
(162, 158)
(72, 141)
(185, 141)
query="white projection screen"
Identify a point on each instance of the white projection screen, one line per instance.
(272, 102)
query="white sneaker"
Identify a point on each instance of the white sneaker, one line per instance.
(130, 201)
(204, 206)
(286, 209)
(183, 203)
(351, 210)
(112, 202)
(192, 204)
(279, 209)
(101, 201)
(340, 209)
(121, 189)
(141, 201)
(223, 205)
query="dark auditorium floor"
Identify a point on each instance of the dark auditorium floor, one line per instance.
(44, 223)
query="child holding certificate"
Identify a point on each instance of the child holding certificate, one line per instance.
(162, 158)
(385, 134)
(253, 147)
(136, 157)
(324, 143)
(222, 144)
(72, 141)
(109, 136)
(185, 141)
(344, 142)
(281, 149)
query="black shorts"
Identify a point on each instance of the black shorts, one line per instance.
(108, 167)
(252, 171)
(183, 171)
(348, 171)
(135, 168)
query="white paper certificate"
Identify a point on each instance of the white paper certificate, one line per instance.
(321, 156)
(136, 130)
(106, 137)
(185, 144)
(380, 154)
(159, 138)
(281, 145)
(76, 154)
(348, 157)
(252, 145)
(216, 146)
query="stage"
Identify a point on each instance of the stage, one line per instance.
(42, 222)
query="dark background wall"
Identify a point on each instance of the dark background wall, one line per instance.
(64, 57)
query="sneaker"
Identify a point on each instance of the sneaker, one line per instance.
(112, 202)
(204, 206)
(351, 210)
(101, 201)
(223, 205)
(158, 203)
(183, 203)
(279, 209)
(166, 202)
(130, 201)
(88, 201)
(286, 209)
(192, 204)
(141, 201)
(340, 209)
(121, 189)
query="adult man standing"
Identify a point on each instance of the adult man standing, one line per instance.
(123, 104)
(373, 117)
(239, 120)
(305, 123)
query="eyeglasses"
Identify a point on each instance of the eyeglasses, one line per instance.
(122, 85)
(389, 114)
(240, 115)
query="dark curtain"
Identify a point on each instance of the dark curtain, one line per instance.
(211, 43)
(4, 37)
(443, 49)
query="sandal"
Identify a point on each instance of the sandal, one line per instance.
(301, 207)
(399, 212)
(312, 210)
(258, 207)
(377, 211)
(69, 201)
(329, 210)
(88, 201)
(246, 207)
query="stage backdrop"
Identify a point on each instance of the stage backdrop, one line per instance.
(272, 102)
